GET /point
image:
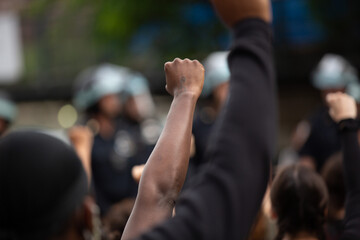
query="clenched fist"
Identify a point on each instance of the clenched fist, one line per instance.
(342, 106)
(232, 11)
(184, 76)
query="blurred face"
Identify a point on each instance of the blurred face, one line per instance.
(110, 105)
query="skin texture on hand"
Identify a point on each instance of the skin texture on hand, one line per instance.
(233, 11)
(341, 106)
(165, 171)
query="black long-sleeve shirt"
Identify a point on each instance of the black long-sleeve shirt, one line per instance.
(351, 156)
(227, 196)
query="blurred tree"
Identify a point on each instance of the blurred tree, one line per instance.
(73, 34)
(62, 37)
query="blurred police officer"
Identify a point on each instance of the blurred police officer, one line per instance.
(333, 74)
(118, 144)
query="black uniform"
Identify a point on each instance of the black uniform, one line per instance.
(202, 132)
(112, 162)
(202, 129)
(324, 139)
(227, 196)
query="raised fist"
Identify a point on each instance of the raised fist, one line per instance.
(232, 11)
(341, 105)
(184, 76)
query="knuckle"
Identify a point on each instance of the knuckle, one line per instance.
(167, 65)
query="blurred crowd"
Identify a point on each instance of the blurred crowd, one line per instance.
(118, 108)
(119, 131)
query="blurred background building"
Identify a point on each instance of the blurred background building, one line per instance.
(44, 44)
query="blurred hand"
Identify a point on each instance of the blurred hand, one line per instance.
(81, 136)
(232, 11)
(136, 172)
(342, 106)
(184, 76)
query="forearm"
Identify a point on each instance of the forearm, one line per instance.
(247, 127)
(82, 140)
(84, 154)
(246, 135)
(226, 198)
(165, 170)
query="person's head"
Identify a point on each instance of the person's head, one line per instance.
(43, 189)
(333, 74)
(97, 90)
(217, 78)
(116, 218)
(333, 176)
(7, 112)
(299, 199)
(109, 105)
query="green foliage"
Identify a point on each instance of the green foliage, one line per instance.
(70, 35)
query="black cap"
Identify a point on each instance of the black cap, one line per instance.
(42, 183)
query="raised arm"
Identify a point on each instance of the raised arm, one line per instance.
(227, 195)
(165, 171)
(232, 11)
(82, 140)
(343, 111)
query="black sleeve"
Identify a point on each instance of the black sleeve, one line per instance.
(227, 196)
(351, 156)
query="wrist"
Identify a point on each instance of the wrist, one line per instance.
(186, 95)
